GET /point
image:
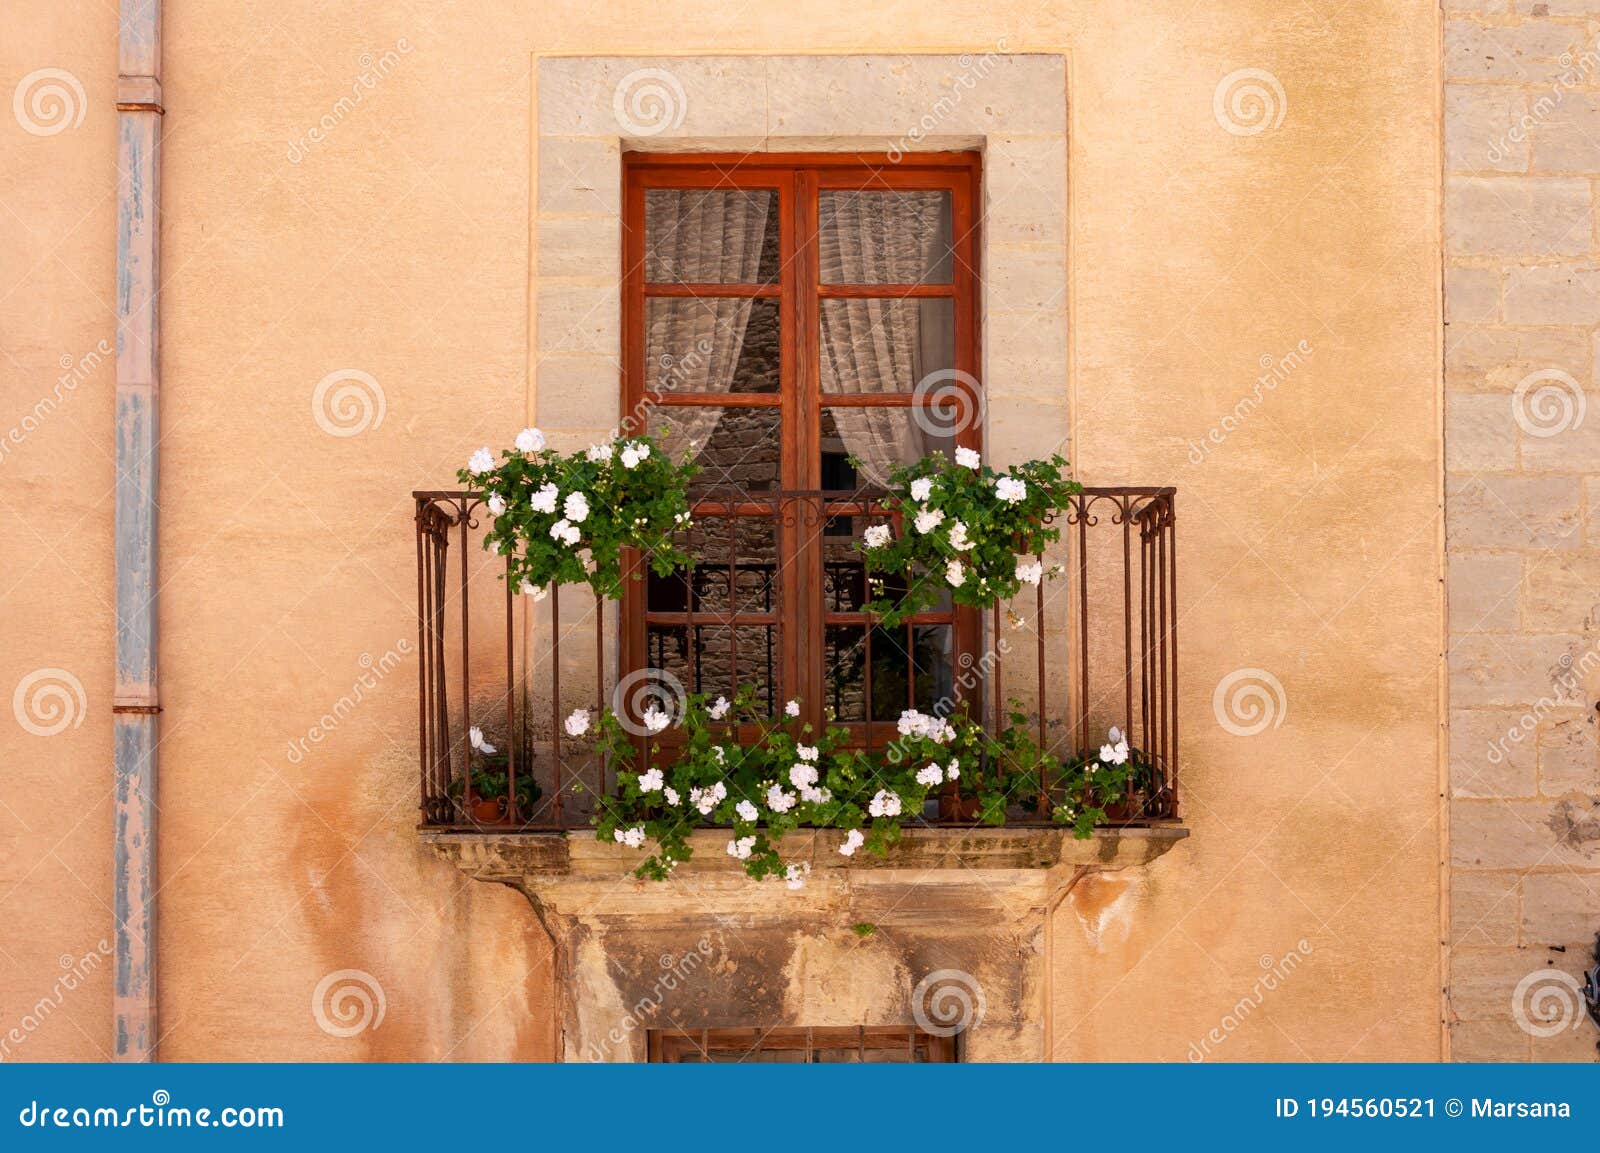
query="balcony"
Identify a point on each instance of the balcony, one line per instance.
(1094, 648)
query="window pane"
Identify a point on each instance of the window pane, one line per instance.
(910, 668)
(844, 673)
(717, 659)
(887, 345)
(885, 237)
(879, 438)
(703, 236)
(736, 448)
(705, 344)
(743, 548)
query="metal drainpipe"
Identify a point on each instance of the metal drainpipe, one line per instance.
(136, 703)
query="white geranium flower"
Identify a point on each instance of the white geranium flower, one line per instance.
(778, 800)
(929, 519)
(853, 840)
(651, 782)
(599, 453)
(958, 536)
(803, 776)
(1010, 489)
(1115, 751)
(577, 722)
(528, 589)
(654, 719)
(545, 499)
(796, 875)
(633, 837)
(792, 708)
(530, 440)
(876, 536)
(921, 488)
(576, 507)
(806, 752)
(707, 799)
(915, 724)
(1030, 574)
(742, 848)
(967, 458)
(930, 776)
(671, 794)
(497, 504)
(953, 769)
(483, 746)
(955, 574)
(719, 710)
(747, 811)
(885, 804)
(630, 457)
(481, 461)
(721, 755)
(814, 796)
(565, 532)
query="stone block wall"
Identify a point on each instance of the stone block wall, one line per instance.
(1522, 436)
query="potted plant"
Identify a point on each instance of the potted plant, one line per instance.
(486, 790)
(965, 530)
(570, 519)
(1110, 785)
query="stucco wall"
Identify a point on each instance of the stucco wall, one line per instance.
(1201, 260)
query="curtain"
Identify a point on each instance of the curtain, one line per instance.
(693, 344)
(877, 346)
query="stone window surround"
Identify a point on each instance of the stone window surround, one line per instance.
(1011, 107)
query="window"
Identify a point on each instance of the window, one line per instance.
(869, 1045)
(797, 325)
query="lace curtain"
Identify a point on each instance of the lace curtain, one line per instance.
(694, 344)
(877, 346)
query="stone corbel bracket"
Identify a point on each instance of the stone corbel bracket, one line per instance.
(951, 930)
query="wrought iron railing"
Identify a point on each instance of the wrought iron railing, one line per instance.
(1103, 635)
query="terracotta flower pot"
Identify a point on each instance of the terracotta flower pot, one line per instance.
(953, 806)
(1126, 810)
(488, 810)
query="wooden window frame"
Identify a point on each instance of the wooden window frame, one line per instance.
(798, 179)
(670, 1046)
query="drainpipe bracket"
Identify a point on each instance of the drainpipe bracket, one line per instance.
(139, 94)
